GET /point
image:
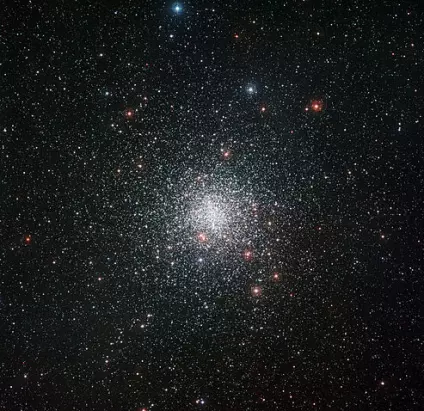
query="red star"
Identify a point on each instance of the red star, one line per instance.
(256, 290)
(276, 276)
(317, 105)
(28, 239)
(248, 255)
(226, 154)
(202, 237)
(129, 113)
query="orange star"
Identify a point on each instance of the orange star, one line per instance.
(317, 105)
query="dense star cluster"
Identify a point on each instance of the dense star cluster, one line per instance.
(211, 205)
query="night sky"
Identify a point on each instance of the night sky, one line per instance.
(211, 205)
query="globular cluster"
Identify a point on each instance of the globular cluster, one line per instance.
(211, 205)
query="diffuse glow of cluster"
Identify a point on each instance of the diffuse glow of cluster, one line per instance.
(221, 217)
(210, 214)
(214, 212)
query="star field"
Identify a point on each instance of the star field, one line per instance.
(211, 206)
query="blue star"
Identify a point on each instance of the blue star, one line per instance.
(251, 89)
(177, 8)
